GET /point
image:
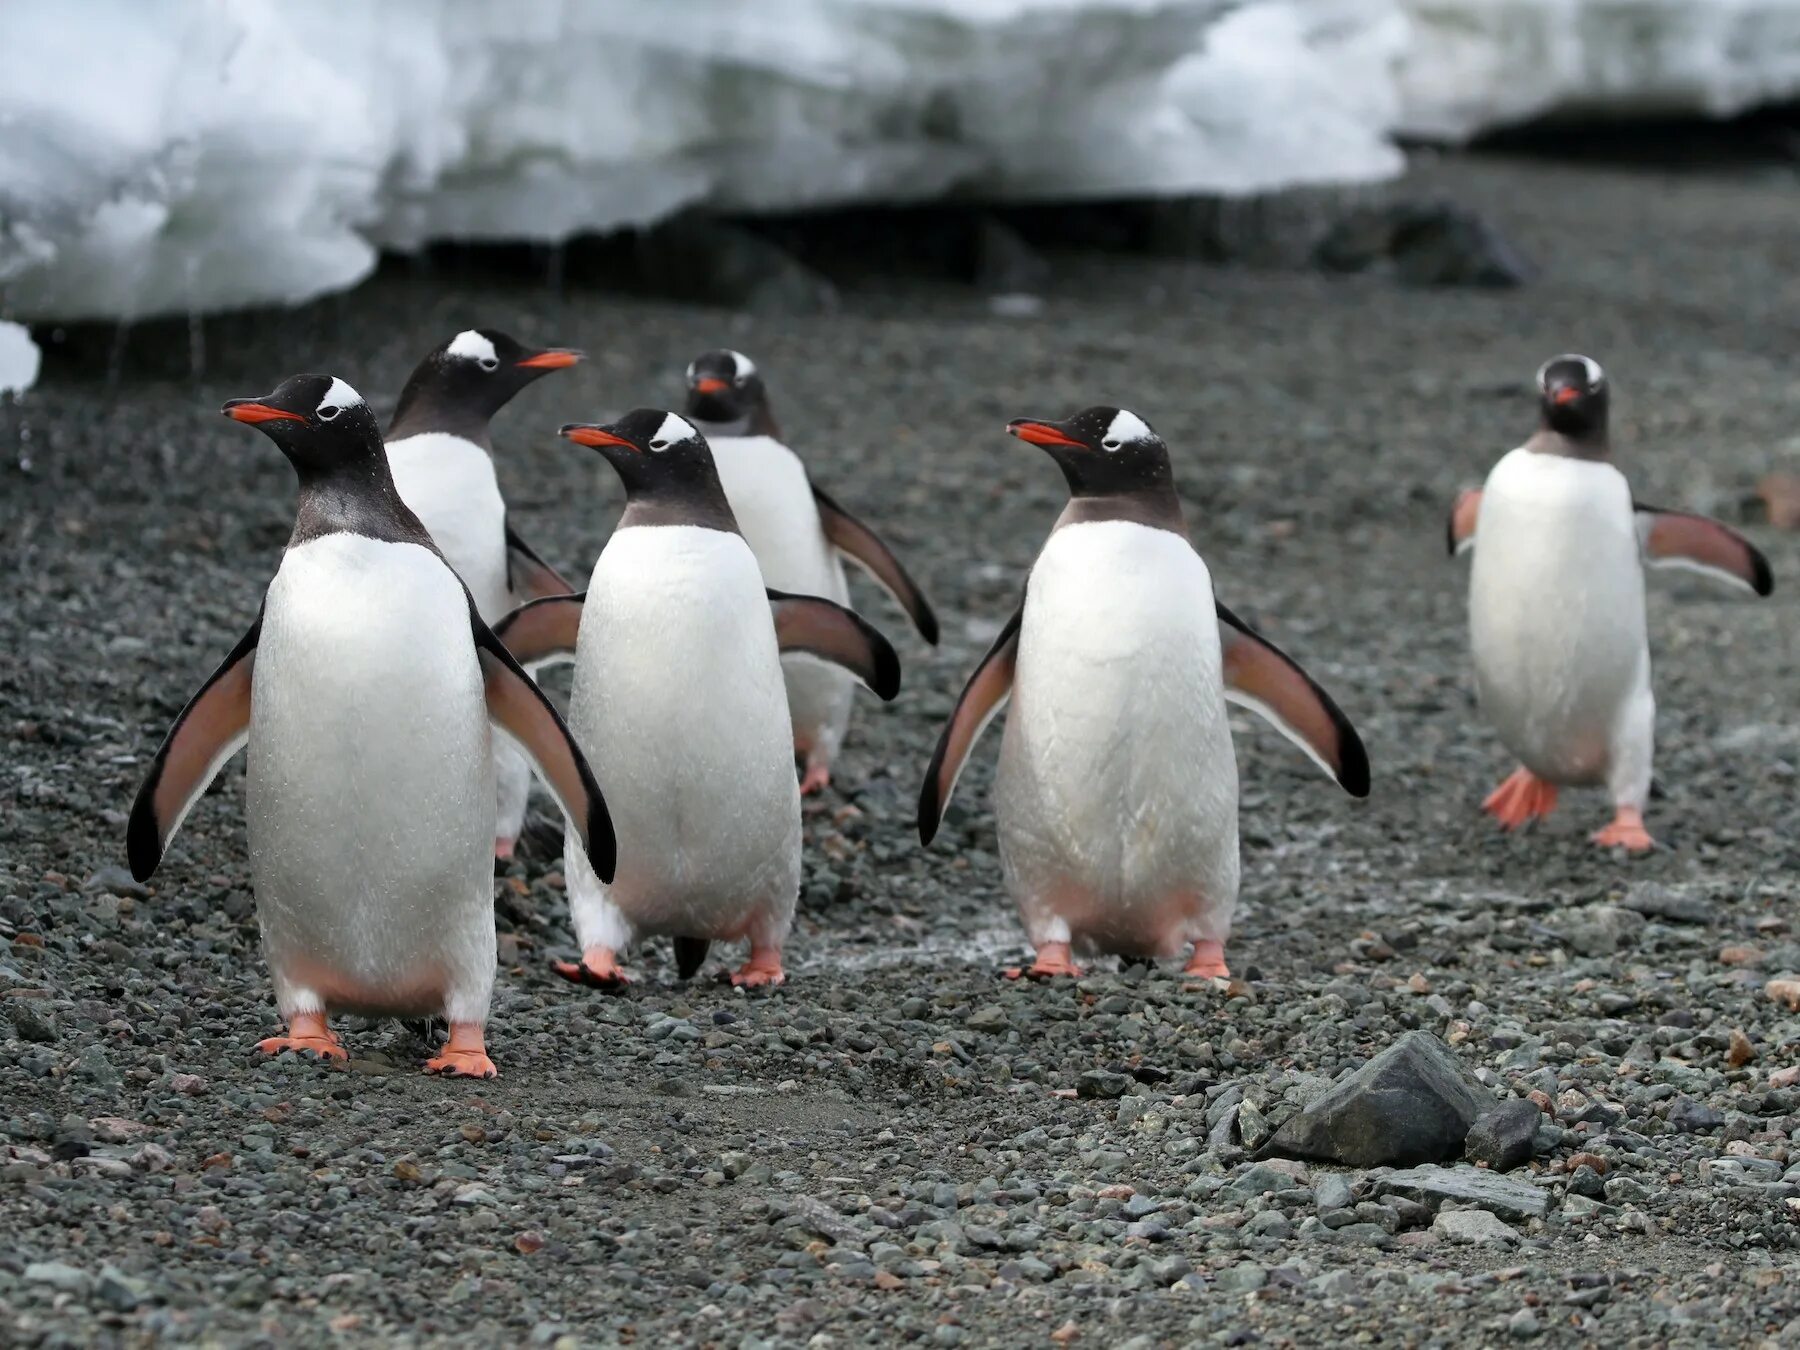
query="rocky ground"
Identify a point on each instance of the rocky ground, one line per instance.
(900, 1145)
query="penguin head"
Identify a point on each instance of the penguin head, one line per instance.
(475, 374)
(1102, 451)
(1573, 395)
(320, 423)
(651, 449)
(724, 386)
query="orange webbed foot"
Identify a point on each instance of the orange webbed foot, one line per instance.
(1053, 959)
(1522, 798)
(307, 1034)
(1626, 831)
(598, 968)
(762, 970)
(1208, 962)
(503, 848)
(464, 1055)
(816, 779)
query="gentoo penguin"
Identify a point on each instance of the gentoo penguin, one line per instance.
(442, 458)
(1556, 605)
(677, 647)
(1117, 791)
(365, 691)
(800, 537)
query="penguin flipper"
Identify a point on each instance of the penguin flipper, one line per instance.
(543, 632)
(209, 730)
(528, 576)
(690, 955)
(982, 698)
(1263, 678)
(857, 542)
(1459, 531)
(519, 711)
(1698, 544)
(807, 625)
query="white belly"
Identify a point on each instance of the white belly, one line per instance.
(1117, 786)
(1556, 611)
(772, 499)
(678, 700)
(370, 794)
(449, 483)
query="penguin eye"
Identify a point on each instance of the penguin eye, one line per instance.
(741, 381)
(329, 414)
(1110, 443)
(489, 363)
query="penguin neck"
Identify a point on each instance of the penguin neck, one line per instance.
(698, 501)
(355, 498)
(1592, 443)
(426, 408)
(1155, 505)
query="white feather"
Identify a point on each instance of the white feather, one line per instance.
(338, 397)
(1127, 428)
(472, 346)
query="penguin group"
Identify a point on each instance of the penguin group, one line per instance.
(385, 690)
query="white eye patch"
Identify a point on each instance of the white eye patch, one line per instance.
(472, 346)
(673, 431)
(743, 365)
(1595, 376)
(1126, 428)
(337, 398)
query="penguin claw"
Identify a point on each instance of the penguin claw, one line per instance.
(598, 969)
(1053, 959)
(1522, 798)
(1626, 831)
(1208, 962)
(762, 970)
(464, 1055)
(307, 1035)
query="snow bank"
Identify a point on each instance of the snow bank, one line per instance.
(19, 359)
(169, 155)
(1475, 65)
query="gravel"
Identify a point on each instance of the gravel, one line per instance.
(901, 1146)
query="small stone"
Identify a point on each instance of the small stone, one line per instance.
(1524, 1324)
(1332, 1191)
(1502, 1135)
(1688, 1116)
(31, 1022)
(1780, 493)
(1784, 991)
(1741, 1052)
(1101, 1084)
(1740, 954)
(1414, 1102)
(1469, 1185)
(1244, 1278)
(59, 1275)
(1474, 1226)
(119, 1291)
(989, 1018)
(116, 881)
(1661, 902)
(1785, 1078)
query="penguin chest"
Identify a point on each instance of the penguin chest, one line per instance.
(1556, 610)
(1117, 783)
(449, 483)
(370, 792)
(678, 695)
(772, 499)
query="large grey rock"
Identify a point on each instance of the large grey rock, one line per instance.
(1425, 244)
(1476, 1226)
(1503, 1135)
(1470, 1185)
(1412, 1103)
(1601, 930)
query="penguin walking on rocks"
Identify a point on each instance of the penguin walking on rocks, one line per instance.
(677, 646)
(442, 459)
(367, 692)
(800, 537)
(1556, 605)
(1117, 792)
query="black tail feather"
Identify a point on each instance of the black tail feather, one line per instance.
(690, 955)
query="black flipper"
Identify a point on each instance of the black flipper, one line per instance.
(690, 955)
(829, 632)
(528, 576)
(982, 699)
(208, 731)
(857, 542)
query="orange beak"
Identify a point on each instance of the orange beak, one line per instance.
(556, 358)
(1568, 393)
(248, 410)
(710, 384)
(582, 434)
(1040, 433)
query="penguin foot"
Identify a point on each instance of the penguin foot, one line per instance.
(762, 969)
(1053, 959)
(1522, 798)
(1626, 831)
(1208, 961)
(307, 1035)
(464, 1055)
(503, 848)
(816, 779)
(598, 968)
